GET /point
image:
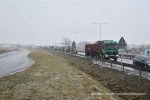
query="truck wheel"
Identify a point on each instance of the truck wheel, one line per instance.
(147, 67)
(115, 59)
(134, 63)
(108, 58)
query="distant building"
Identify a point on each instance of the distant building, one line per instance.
(122, 44)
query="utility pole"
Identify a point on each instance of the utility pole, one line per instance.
(75, 36)
(137, 47)
(100, 24)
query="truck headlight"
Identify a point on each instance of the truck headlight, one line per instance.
(106, 55)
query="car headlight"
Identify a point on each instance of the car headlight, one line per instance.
(117, 55)
(149, 64)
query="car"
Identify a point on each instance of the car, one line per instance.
(142, 61)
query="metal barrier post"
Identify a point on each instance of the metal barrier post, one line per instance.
(111, 64)
(140, 71)
(121, 61)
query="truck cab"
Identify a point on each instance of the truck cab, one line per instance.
(110, 49)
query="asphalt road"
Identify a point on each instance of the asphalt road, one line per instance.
(128, 61)
(14, 61)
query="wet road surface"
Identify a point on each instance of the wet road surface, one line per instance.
(128, 61)
(14, 61)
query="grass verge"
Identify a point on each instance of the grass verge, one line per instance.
(51, 77)
(114, 80)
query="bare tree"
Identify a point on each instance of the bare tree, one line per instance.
(66, 42)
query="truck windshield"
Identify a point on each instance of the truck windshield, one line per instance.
(110, 46)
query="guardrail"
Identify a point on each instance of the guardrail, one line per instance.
(126, 56)
(110, 61)
(122, 64)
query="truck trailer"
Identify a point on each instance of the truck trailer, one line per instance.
(102, 49)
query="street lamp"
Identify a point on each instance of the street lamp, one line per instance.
(75, 35)
(100, 24)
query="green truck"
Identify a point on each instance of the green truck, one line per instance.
(102, 49)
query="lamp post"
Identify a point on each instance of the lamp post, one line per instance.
(75, 36)
(100, 24)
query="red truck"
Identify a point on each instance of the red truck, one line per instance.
(93, 49)
(88, 49)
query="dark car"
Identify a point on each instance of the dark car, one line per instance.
(142, 61)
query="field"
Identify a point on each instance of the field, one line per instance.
(51, 77)
(2, 50)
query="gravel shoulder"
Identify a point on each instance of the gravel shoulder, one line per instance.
(51, 77)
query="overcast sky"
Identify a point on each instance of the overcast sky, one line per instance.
(48, 21)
